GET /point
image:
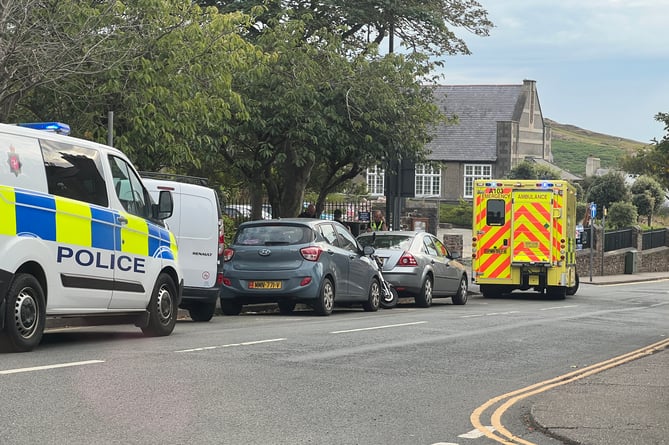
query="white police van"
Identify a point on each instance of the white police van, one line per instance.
(197, 225)
(80, 238)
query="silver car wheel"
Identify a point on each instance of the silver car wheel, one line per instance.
(424, 299)
(460, 296)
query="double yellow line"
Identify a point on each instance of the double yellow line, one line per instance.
(505, 401)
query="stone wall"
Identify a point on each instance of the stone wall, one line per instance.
(616, 262)
(454, 244)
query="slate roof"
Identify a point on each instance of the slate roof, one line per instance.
(479, 108)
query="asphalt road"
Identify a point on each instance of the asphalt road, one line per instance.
(400, 376)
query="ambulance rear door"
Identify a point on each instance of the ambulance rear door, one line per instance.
(532, 220)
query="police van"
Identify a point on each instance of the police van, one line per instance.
(80, 237)
(197, 225)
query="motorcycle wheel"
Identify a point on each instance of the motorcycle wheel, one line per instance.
(389, 301)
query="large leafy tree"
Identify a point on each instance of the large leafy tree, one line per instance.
(652, 160)
(173, 99)
(423, 26)
(48, 43)
(647, 196)
(316, 106)
(607, 189)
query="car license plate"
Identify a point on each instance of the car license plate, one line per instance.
(264, 284)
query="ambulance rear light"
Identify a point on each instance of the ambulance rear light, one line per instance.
(54, 127)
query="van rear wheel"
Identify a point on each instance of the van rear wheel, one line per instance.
(25, 315)
(162, 308)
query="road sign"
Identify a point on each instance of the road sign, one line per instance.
(593, 210)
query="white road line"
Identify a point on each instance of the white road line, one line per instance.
(42, 368)
(558, 307)
(231, 345)
(475, 434)
(379, 327)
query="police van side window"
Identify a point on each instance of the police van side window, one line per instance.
(133, 196)
(495, 209)
(74, 172)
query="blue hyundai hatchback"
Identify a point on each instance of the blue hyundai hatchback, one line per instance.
(298, 260)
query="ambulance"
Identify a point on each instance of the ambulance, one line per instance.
(80, 238)
(524, 237)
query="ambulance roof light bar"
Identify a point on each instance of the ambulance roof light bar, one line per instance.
(54, 127)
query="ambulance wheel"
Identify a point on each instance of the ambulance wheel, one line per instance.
(572, 290)
(162, 308)
(556, 292)
(424, 299)
(201, 311)
(25, 316)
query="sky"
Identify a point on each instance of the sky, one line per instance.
(602, 65)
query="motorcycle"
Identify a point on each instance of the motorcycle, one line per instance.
(389, 295)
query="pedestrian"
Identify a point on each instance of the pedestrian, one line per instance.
(310, 212)
(338, 218)
(378, 222)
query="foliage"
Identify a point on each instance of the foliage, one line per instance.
(48, 47)
(621, 214)
(459, 215)
(426, 27)
(581, 209)
(607, 189)
(647, 196)
(530, 170)
(653, 160)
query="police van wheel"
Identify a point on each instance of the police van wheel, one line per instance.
(162, 308)
(25, 316)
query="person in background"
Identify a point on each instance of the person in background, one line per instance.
(378, 222)
(310, 212)
(337, 217)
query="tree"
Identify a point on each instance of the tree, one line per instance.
(422, 26)
(314, 104)
(648, 196)
(173, 99)
(621, 214)
(530, 170)
(607, 189)
(47, 45)
(652, 160)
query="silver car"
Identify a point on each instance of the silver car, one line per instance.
(419, 266)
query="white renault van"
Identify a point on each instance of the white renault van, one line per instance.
(80, 237)
(198, 228)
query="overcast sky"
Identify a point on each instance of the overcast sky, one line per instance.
(602, 65)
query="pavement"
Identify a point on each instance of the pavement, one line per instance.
(626, 404)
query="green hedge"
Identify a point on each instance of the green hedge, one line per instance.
(457, 214)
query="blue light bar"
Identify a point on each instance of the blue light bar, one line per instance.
(55, 127)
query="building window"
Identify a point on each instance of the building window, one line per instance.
(428, 180)
(474, 172)
(375, 181)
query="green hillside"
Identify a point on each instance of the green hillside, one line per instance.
(572, 145)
